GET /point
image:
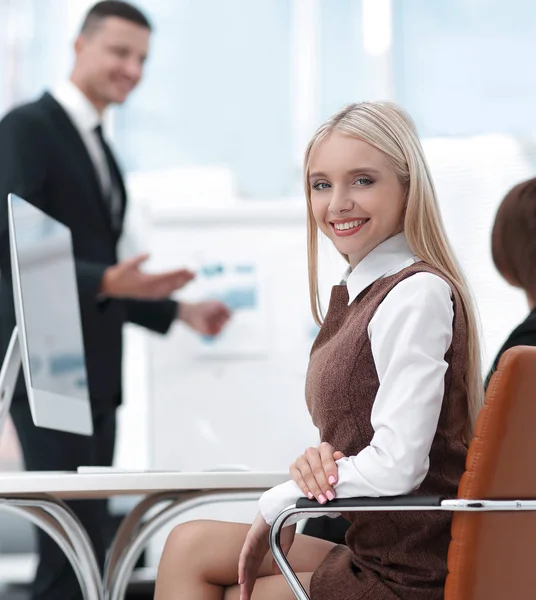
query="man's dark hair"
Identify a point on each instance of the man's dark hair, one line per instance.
(113, 8)
(513, 239)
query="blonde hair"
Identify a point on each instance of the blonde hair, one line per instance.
(388, 128)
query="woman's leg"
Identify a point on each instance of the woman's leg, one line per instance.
(200, 562)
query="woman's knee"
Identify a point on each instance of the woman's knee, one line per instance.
(188, 539)
(204, 550)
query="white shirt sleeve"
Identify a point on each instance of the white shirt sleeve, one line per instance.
(410, 335)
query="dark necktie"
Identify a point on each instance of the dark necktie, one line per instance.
(112, 196)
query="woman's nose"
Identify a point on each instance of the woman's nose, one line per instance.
(340, 202)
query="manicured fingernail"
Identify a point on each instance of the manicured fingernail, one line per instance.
(322, 499)
(332, 479)
(310, 495)
(330, 495)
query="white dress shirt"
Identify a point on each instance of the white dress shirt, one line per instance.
(409, 334)
(85, 118)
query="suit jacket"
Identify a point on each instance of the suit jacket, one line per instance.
(523, 335)
(44, 160)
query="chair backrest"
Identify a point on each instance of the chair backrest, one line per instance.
(492, 556)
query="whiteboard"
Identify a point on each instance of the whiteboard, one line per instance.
(238, 399)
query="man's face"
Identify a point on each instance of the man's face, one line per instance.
(110, 59)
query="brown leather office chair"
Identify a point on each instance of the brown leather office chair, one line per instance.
(492, 555)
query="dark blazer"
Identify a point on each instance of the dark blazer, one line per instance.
(523, 335)
(44, 160)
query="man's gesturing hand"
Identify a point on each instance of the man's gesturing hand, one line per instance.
(127, 280)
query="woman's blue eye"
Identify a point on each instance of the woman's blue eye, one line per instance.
(321, 185)
(363, 181)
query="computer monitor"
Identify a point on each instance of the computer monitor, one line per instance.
(48, 336)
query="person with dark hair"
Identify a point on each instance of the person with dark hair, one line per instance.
(54, 153)
(113, 8)
(513, 247)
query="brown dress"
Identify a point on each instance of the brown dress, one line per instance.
(396, 555)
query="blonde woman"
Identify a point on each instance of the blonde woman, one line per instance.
(394, 386)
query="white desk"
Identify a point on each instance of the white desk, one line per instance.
(39, 497)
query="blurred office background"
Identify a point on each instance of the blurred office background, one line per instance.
(212, 142)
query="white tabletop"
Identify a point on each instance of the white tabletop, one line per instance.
(103, 484)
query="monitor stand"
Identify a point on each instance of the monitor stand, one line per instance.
(8, 376)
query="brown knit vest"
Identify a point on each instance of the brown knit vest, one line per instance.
(397, 555)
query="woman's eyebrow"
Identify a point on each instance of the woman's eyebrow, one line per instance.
(350, 172)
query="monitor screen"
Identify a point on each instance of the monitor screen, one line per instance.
(48, 319)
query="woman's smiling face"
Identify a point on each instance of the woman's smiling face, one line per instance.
(356, 198)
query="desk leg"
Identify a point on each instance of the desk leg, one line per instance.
(132, 539)
(128, 530)
(43, 520)
(56, 519)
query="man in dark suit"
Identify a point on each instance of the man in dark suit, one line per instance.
(54, 154)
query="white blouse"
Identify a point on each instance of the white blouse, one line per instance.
(409, 334)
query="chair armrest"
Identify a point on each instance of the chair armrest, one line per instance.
(387, 501)
(304, 506)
